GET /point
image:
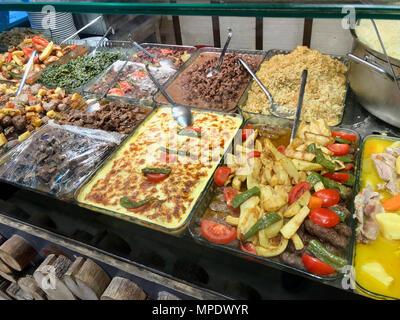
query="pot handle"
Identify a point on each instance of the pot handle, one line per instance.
(371, 65)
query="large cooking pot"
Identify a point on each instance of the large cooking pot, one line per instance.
(372, 81)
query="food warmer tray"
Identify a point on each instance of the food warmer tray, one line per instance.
(209, 50)
(269, 55)
(210, 193)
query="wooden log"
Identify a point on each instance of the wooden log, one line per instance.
(29, 285)
(123, 289)
(16, 252)
(4, 284)
(15, 292)
(86, 279)
(163, 295)
(50, 277)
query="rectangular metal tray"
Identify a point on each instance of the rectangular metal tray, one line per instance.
(111, 45)
(194, 57)
(269, 55)
(210, 193)
(148, 100)
(68, 196)
(357, 188)
(180, 231)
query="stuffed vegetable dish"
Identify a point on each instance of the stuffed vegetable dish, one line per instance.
(286, 202)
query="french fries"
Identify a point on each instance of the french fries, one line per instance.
(296, 206)
(272, 251)
(302, 165)
(291, 227)
(298, 243)
(300, 155)
(318, 139)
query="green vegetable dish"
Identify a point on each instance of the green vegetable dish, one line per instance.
(78, 71)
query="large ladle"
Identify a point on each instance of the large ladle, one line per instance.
(274, 108)
(217, 69)
(180, 113)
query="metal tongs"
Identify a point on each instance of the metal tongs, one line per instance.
(275, 109)
(221, 57)
(180, 113)
(102, 40)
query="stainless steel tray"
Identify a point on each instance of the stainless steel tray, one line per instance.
(69, 195)
(194, 57)
(210, 193)
(269, 55)
(179, 231)
(357, 188)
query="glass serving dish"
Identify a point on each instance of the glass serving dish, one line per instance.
(271, 53)
(379, 250)
(194, 175)
(173, 83)
(209, 195)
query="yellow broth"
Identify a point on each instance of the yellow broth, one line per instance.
(386, 252)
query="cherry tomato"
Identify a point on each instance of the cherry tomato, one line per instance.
(168, 158)
(348, 167)
(329, 197)
(339, 149)
(156, 177)
(116, 91)
(125, 85)
(229, 194)
(139, 74)
(344, 135)
(248, 247)
(74, 46)
(221, 175)
(40, 41)
(254, 154)
(324, 217)
(194, 129)
(217, 233)
(337, 176)
(316, 266)
(166, 51)
(281, 149)
(28, 53)
(297, 191)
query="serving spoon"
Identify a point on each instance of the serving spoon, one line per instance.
(27, 70)
(217, 69)
(299, 104)
(102, 39)
(274, 108)
(180, 113)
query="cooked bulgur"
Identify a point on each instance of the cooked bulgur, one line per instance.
(281, 75)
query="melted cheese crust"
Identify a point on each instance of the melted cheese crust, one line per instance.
(121, 175)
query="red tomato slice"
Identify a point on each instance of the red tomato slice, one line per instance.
(116, 91)
(316, 266)
(254, 154)
(125, 85)
(324, 217)
(248, 247)
(40, 41)
(329, 197)
(348, 167)
(166, 51)
(221, 175)
(281, 149)
(339, 149)
(337, 176)
(344, 135)
(229, 194)
(139, 74)
(168, 158)
(297, 191)
(156, 177)
(74, 46)
(9, 57)
(217, 233)
(247, 132)
(194, 129)
(10, 105)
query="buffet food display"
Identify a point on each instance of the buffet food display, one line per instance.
(243, 188)
(158, 174)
